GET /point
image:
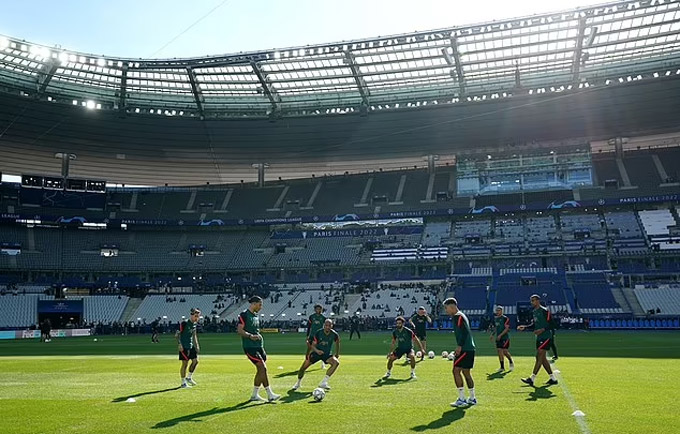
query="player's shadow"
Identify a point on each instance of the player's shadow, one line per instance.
(295, 396)
(295, 372)
(389, 381)
(542, 392)
(198, 417)
(448, 417)
(151, 392)
(496, 375)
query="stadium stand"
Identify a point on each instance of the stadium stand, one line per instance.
(593, 294)
(664, 299)
(18, 310)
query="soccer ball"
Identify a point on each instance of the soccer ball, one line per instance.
(430, 355)
(445, 354)
(419, 354)
(319, 394)
(452, 356)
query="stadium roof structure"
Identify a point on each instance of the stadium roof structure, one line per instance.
(558, 50)
(595, 72)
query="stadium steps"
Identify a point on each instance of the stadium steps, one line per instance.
(223, 314)
(225, 202)
(190, 204)
(623, 172)
(430, 189)
(284, 308)
(130, 308)
(312, 198)
(279, 200)
(31, 239)
(632, 300)
(659, 168)
(364, 197)
(621, 299)
(351, 300)
(571, 299)
(674, 213)
(233, 310)
(133, 200)
(400, 191)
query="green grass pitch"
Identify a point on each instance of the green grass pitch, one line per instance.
(625, 382)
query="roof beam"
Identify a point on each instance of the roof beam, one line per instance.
(351, 61)
(123, 90)
(453, 59)
(45, 75)
(267, 88)
(198, 95)
(578, 50)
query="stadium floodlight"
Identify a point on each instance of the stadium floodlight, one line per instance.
(63, 57)
(4, 42)
(75, 102)
(277, 55)
(90, 104)
(101, 62)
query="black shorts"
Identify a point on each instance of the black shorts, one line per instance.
(255, 355)
(188, 354)
(466, 360)
(422, 337)
(314, 357)
(543, 344)
(503, 344)
(398, 353)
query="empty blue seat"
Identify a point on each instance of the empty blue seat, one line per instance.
(618, 323)
(664, 323)
(645, 324)
(636, 323)
(676, 323)
(629, 324)
(658, 323)
(608, 323)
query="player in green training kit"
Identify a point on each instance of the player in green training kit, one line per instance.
(402, 339)
(419, 323)
(501, 333)
(322, 344)
(249, 330)
(464, 356)
(187, 344)
(541, 324)
(315, 323)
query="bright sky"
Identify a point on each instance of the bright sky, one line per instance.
(158, 28)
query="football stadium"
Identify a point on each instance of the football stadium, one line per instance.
(473, 228)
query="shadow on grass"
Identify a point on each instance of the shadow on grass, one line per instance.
(537, 393)
(137, 395)
(389, 381)
(198, 417)
(295, 396)
(448, 417)
(496, 375)
(295, 372)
